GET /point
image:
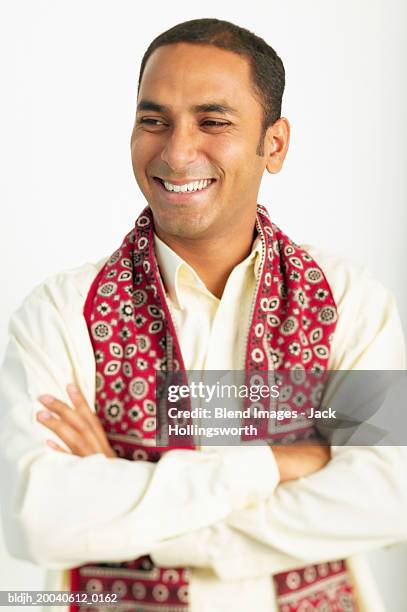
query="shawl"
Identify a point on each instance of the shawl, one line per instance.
(292, 322)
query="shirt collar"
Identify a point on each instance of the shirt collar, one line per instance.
(171, 265)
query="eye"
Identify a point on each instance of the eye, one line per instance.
(151, 122)
(215, 123)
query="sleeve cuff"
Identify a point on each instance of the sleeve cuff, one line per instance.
(248, 473)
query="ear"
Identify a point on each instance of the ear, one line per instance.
(276, 143)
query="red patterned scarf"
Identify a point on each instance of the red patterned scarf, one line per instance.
(292, 324)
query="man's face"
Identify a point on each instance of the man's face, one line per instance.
(198, 123)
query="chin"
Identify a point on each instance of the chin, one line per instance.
(183, 222)
(185, 230)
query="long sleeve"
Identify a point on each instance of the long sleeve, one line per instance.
(358, 502)
(60, 510)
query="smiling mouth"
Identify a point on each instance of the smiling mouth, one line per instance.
(190, 187)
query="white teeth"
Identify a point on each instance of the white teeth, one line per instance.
(194, 186)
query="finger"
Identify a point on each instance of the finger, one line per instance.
(56, 447)
(82, 406)
(71, 417)
(74, 419)
(71, 437)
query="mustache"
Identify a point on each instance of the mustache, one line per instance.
(192, 174)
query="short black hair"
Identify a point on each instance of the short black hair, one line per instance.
(267, 69)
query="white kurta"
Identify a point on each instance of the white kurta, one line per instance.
(61, 511)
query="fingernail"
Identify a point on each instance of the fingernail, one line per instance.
(72, 388)
(43, 415)
(46, 399)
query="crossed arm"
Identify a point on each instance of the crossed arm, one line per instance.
(278, 531)
(79, 428)
(62, 509)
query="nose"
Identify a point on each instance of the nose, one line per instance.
(180, 149)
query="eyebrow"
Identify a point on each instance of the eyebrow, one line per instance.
(208, 107)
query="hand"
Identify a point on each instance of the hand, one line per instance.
(295, 460)
(78, 427)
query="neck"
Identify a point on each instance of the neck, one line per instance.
(213, 259)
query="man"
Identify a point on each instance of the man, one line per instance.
(203, 281)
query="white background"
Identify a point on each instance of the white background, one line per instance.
(68, 92)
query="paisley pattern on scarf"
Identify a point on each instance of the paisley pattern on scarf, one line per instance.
(292, 324)
(323, 588)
